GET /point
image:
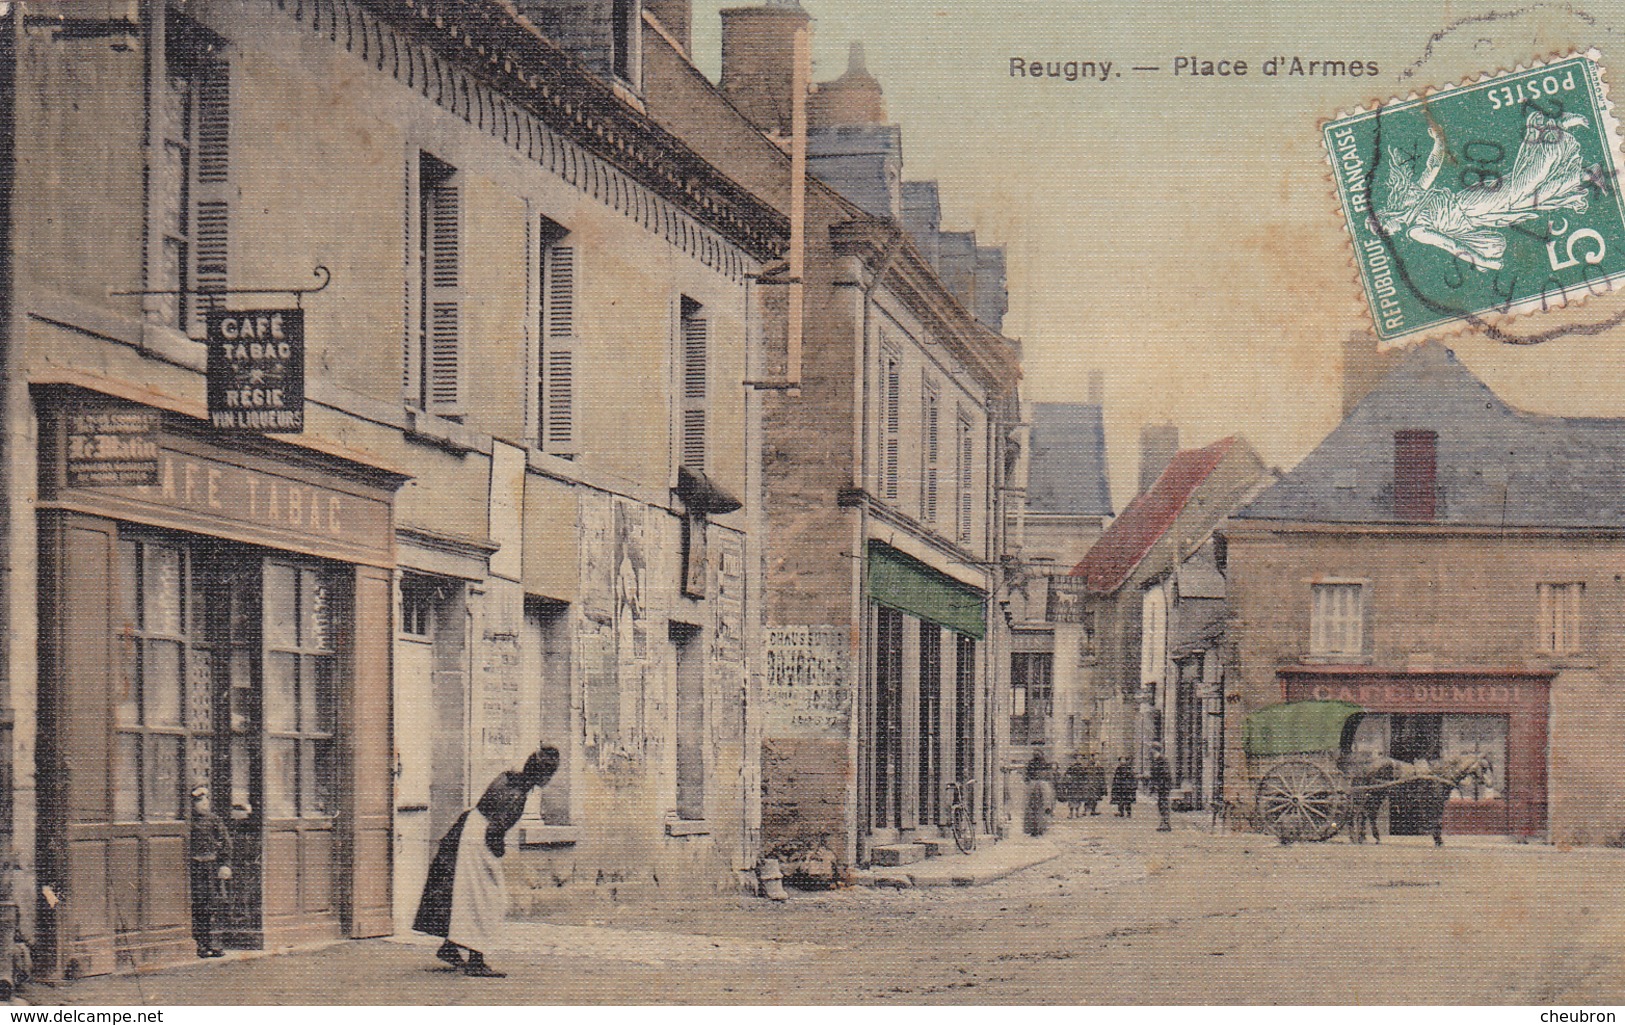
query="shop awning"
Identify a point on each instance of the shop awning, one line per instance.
(1299, 726)
(909, 585)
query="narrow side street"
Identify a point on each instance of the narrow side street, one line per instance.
(1123, 915)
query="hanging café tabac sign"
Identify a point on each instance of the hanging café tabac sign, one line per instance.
(256, 371)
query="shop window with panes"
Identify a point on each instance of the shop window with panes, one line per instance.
(150, 698)
(300, 706)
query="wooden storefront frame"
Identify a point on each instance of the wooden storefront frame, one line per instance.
(1523, 696)
(275, 498)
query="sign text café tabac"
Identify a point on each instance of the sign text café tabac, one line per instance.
(256, 370)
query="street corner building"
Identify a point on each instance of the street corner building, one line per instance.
(520, 500)
(1068, 501)
(1453, 566)
(884, 470)
(1141, 621)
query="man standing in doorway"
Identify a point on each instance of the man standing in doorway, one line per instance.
(208, 854)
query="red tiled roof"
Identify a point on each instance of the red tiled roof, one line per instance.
(1108, 564)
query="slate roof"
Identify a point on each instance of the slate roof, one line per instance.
(1108, 564)
(1496, 465)
(1066, 464)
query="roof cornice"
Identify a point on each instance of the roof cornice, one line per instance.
(498, 45)
(885, 246)
(1244, 526)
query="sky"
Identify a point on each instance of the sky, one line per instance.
(1181, 233)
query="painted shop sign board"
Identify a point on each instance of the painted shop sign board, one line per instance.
(112, 446)
(256, 370)
(1065, 603)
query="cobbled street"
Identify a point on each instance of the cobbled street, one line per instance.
(1123, 915)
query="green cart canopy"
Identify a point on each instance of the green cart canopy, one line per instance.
(1300, 726)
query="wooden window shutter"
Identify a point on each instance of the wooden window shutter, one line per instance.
(892, 429)
(967, 478)
(559, 434)
(933, 449)
(211, 214)
(696, 356)
(442, 371)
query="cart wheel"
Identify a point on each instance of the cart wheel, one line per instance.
(1302, 801)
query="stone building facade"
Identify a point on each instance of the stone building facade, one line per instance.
(1452, 565)
(1149, 619)
(524, 508)
(882, 479)
(1068, 501)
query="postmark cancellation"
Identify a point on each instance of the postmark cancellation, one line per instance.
(1472, 204)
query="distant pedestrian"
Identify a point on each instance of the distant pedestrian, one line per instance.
(1094, 783)
(1124, 786)
(208, 855)
(465, 898)
(1070, 788)
(1161, 785)
(1040, 773)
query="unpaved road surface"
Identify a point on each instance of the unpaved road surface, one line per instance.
(1124, 916)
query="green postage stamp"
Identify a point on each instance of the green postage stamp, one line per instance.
(1475, 203)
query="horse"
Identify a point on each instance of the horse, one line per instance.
(1430, 793)
(1371, 776)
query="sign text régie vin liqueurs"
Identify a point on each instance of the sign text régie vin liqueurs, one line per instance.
(257, 370)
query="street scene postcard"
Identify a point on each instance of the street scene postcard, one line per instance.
(804, 502)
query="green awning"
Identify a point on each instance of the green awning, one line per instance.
(909, 585)
(1299, 726)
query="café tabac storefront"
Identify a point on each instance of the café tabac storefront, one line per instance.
(1498, 713)
(224, 622)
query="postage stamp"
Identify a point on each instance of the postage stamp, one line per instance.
(1472, 204)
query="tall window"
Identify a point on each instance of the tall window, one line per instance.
(1031, 696)
(301, 663)
(150, 703)
(690, 714)
(1560, 617)
(929, 775)
(623, 37)
(891, 422)
(555, 367)
(434, 376)
(694, 340)
(931, 452)
(967, 479)
(191, 181)
(1337, 619)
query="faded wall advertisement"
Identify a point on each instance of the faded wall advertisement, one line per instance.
(808, 687)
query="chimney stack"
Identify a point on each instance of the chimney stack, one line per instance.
(676, 17)
(759, 59)
(1097, 387)
(1415, 474)
(1363, 366)
(1158, 445)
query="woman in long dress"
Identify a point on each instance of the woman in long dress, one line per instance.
(1546, 176)
(465, 898)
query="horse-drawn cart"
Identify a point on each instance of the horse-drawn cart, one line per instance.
(1310, 781)
(1294, 756)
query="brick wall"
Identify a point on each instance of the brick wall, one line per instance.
(1441, 600)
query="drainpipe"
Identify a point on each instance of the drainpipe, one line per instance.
(863, 642)
(13, 889)
(795, 268)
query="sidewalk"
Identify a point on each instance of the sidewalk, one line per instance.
(991, 860)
